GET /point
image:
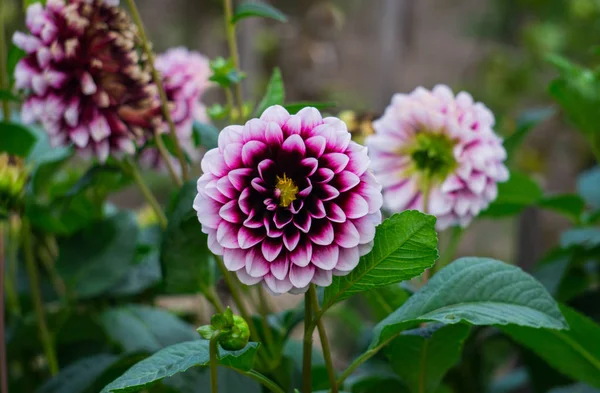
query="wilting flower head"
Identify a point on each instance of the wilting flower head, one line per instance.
(287, 200)
(84, 79)
(185, 78)
(433, 139)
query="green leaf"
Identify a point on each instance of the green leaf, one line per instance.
(205, 135)
(295, 107)
(581, 237)
(375, 376)
(93, 260)
(405, 245)
(383, 301)
(63, 217)
(574, 352)
(16, 139)
(224, 72)
(177, 359)
(568, 204)
(525, 124)
(143, 275)
(275, 94)
(422, 362)
(479, 291)
(188, 266)
(588, 187)
(248, 10)
(143, 328)
(514, 195)
(198, 380)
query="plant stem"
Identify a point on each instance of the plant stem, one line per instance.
(57, 282)
(233, 51)
(3, 361)
(213, 299)
(37, 298)
(324, 340)
(450, 251)
(235, 294)
(164, 102)
(426, 192)
(130, 167)
(258, 377)
(361, 359)
(214, 349)
(11, 266)
(3, 72)
(307, 347)
(263, 307)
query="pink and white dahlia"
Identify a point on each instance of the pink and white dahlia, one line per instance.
(185, 76)
(287, 200)
(441, 142)
(83, 78)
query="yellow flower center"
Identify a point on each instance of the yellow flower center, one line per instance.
(286, 190)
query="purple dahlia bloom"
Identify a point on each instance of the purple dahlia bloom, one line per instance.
(441, 142)
(83, 78)
(287, 200)
(185, 75)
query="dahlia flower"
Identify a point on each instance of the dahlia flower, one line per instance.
(287, 200)
(433, 140)
(84, 80)
(185, 78)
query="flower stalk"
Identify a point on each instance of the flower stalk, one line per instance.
(214, 348)
(324, 341)
(233, 51)
(164, 103)
(3, 360)
(307, 344)
(37, 298)
(3, 71)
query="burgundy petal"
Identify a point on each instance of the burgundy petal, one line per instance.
(316, 208)
(267, 170)
(256, 265)
(347, 180)
(335, 161)
(335, 213)
(244, 201)
(291, 238)
(234, 259)
(272, 230)
(239, 177)
(302, 255)
(280, 266)
(323, 175)
(248, 237)
(276, 286)
(302, 221)
(253, 152)
(226, 188)
(326, 192)
(227, 234)
(282, 218)
(309, 166)
(271, 248)
(355, 206)
(293, 146)
(254, 220)
(231, 212)
(259, 185)
(292, 126)
(297, 205)
(322, 233)
(315, 146)
(233, 155)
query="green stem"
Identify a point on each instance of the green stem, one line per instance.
(450, 251)
(324, 340)
(164, 102)
(130, 167)
(12, 249)
(3, 72)
(214, 350)
(235, 294)
(361, 359)
(37, 298)
(307, 347)
(426, 192)
(263, 306)
(258, 377)
(213, 299)
(47, 260)
(233, 51)
(3, 361)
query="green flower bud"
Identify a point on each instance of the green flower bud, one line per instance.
(237, 336)
(13, 177)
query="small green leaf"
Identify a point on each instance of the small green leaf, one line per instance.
(248, 10)
(574, 352)
(206, 135)
(206, 332)
(525, 124)
(177, 359)
(405, 245)
(422, 362)
(479, 291)
(224, 72)
(295, 107)
(188, 266)
(588, 187)
(95, 259)
(581, 237)
(275, 94)
(568, 204)
(145, 329)
(16, 139)
(519, 192)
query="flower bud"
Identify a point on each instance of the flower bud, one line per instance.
(13, 177)
(232, 330)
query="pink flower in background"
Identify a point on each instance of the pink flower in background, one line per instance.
(445, 142)
(185, 78)
(287, 200)
(83, 77)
